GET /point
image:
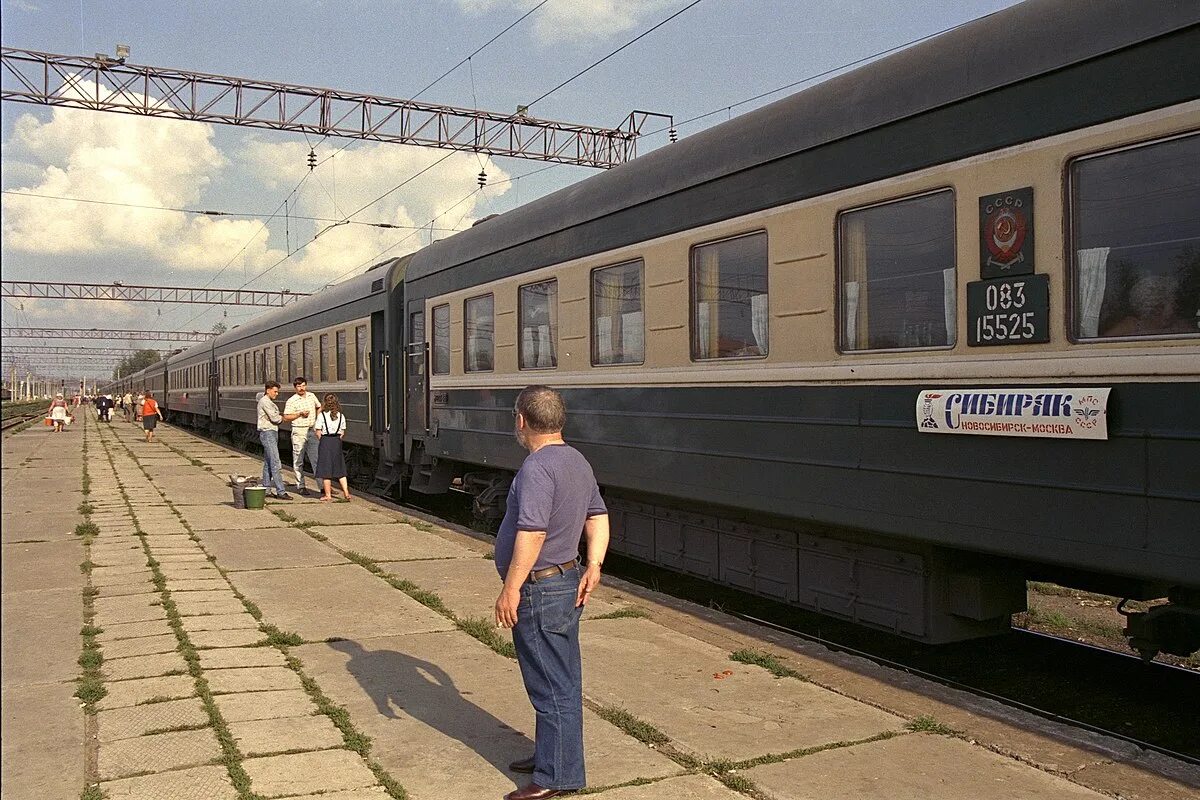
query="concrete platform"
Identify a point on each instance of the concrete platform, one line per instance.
(445, 713)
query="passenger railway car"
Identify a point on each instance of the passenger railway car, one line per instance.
(884, 349)
(742, 324)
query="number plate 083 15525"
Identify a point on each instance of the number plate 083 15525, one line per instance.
(1008, 311)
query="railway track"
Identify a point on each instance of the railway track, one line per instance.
(1085, 686)
(15, 421)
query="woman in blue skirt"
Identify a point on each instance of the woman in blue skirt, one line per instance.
(331, 462)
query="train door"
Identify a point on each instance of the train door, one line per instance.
(416, 405)
(377, 388)
(214, 386)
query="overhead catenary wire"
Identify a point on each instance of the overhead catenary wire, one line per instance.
(614, 52)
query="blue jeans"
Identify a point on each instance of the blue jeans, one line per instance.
(546, 637)
(272, 466)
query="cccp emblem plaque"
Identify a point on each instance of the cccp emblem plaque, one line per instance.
(1006, 234)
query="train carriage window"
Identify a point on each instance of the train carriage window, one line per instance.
(416, 338)
(340, 354)
(241, 372)
(1135, 226)
(323, 357)
(729, 298)
(293, 363)
(441, 340)
(360, 352)
(307, 355)
(537, 307)
(479, 329)
(279, 376)
(897, 267)
(258, 366)
(618, 321)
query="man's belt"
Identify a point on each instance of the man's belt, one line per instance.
(557, 569)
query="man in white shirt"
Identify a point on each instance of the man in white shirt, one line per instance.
(302, 409)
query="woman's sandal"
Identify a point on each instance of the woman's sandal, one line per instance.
(326, 499)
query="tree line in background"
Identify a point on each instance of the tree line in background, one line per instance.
(136, 362)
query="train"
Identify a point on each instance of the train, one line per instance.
(885, 349)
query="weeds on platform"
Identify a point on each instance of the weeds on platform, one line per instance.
(87, 530)
(92, 793)
(280, 639)
(642, 731)
(485, 631)
(927, 724)
(628, 612)
(768, 662)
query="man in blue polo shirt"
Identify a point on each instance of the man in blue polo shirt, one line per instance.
(553, 500)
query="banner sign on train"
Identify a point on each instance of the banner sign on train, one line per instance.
(1045, 413)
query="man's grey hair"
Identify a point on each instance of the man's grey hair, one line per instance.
(542, 408)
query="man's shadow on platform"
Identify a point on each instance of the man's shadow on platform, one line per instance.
(398, 682)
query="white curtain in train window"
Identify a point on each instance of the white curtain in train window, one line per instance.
(702, 330)
(708, 300)
(850, 315)
(1093, 274)
(758, 321)
(604, 351)
(633, 341)
(950, 303)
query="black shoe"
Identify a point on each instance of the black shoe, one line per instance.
(303, 492)
(524, 765)
(284, 496)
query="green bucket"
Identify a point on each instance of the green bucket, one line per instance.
(256, 496)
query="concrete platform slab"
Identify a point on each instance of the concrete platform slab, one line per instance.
(268, 549)
(345, 601)
(198, 783)
(322, 771)
(157, 753)
(230, 606)
(38, 722)
(220, 622)
(227, 518)
(142, 578)
(468, 587)
(127, 723)
(142, 646)
(215, 596)
(352, 513)
(50, 617)
(249, 706)
(393, 542)
(684, 787)
(230, 657)
(142, 612)
(912, 767)
(251, 679)
(44, 526)
(148, 666)
(41, 565)
(198, 584)
(287, 734)
(122, 694)
(212, 639)
(366, 793)
(133, 630)
(446, 715)
(123, 589)
(745, 715)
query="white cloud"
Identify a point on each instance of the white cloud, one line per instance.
(170, 163)
(578, 20)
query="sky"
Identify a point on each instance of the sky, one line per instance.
(710, 58)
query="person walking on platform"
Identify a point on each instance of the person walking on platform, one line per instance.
(150, 415)
(104, 405)
(127, 405)
(57, 413)
(137, 406)
(301, 410)
(331, 461)
(553, 500)
(268, 433)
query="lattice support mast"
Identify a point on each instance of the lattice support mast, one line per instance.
(106, 84)
(107, 334)
(149, 294)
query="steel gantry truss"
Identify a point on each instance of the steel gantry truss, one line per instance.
(81, 351)
(108, 334)
(107, 84)
(150, 294)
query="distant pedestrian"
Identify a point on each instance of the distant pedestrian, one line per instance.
(268, 433)
(137, 407)
(58, 413)
(150, 415)
(301, 410)
(126, 405)
(553, 500)
(104, 404)
(331, 461)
